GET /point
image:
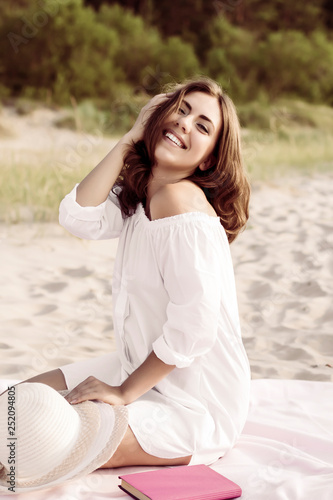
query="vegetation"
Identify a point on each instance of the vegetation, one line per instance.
(103, 49)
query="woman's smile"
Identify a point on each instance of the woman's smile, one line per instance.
(174, 139)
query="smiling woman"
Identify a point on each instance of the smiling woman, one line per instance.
(174, 192)
(190, 133)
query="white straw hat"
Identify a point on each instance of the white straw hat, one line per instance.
(50, 441)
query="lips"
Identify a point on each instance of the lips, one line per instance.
(175, 138)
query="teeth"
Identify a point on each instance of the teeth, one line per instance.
(174, 139)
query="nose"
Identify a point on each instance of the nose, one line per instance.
(184, 122)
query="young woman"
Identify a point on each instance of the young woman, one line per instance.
(174, 192)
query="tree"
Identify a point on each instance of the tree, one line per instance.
(292, 63)
(67, 52)
(264, 17)
(145, 59)
(328, 13)
(231, 59)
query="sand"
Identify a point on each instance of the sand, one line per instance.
(56, 301)
(283, 266)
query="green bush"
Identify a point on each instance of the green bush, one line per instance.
(83, 117)
(286, 114)
(137, 44)
(147, 62)
(230, 59)
(254, 115)
(55, 50)
(67, 52)
(70, 50)
(291, 63)
(175, 61)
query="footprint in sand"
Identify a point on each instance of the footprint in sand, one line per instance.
(48, 308)
(323, 343)
(5, 346)
(308, 289)
(79, 272)
(54, 287)
(290, 353)
(259, 290)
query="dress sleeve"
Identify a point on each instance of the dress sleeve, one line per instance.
(92, 223)
(189, 259)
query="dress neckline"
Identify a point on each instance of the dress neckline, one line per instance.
(184, 216)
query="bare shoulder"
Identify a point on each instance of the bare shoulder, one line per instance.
(179, 198)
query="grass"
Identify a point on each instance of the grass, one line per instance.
(286, 136)
(34, 193)
(268, 154)
(278, 139)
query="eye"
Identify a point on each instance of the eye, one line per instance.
(181, 111)
(203, 128)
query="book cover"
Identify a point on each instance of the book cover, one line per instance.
(188, 482)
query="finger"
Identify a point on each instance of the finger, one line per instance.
(80, 398)
(81, 395)
(157, 99)
(72, 397)
(149, 108)
(80, 390)
(163, 97)
(89, 389)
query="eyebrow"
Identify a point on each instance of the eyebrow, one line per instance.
(203, 117)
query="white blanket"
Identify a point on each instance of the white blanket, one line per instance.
(284, 453)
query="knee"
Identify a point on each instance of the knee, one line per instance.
(54, 378)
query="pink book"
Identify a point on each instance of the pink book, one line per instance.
(188, 482)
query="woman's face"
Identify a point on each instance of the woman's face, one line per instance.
(188, 137)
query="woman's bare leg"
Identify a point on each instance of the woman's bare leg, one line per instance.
(54, 378)
(129, 453)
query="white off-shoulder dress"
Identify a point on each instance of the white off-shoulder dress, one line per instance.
(173, 292)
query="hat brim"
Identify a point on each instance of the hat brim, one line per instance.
(102, 429)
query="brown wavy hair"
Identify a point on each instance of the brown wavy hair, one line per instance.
(225, 183)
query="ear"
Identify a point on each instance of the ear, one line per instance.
(210, 162)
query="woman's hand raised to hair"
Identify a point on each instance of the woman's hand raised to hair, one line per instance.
(137, 131)
(92, 388)
(95, 187)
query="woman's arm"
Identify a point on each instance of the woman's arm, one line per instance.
(95, 187)
(152, 371)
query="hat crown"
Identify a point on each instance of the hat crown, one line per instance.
(51, 436)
